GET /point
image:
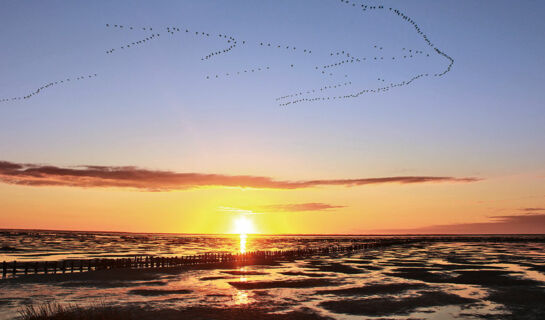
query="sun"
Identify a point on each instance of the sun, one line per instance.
(243, 226)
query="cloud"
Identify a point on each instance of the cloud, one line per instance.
(273, 208)
(156, 180)
(508, 224)
(298, 207)
(237, 211)
(532, 209)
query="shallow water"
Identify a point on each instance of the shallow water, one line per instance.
(61, 245)
(419, 281)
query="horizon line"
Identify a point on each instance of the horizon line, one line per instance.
(273, 234)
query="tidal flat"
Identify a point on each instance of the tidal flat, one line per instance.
(454, 280)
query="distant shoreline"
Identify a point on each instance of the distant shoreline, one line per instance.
(274, 235)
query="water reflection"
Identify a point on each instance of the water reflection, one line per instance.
(241, 297)
(396, 265)
(243, 238)
(61, 245)
(242, 271)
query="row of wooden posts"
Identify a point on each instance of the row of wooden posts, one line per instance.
(15, 268)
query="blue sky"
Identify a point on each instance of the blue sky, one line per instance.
(488, 108)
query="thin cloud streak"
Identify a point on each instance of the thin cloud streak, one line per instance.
(299, 207)
(157, 180)
(237, 211)
(275, 208)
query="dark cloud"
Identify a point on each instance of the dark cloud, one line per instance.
(154, 180)
(508, 224)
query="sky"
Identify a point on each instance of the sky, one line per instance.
(150, 144)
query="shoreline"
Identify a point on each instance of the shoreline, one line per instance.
(15, 268)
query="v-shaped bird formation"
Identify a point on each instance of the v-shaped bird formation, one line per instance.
(342, 65)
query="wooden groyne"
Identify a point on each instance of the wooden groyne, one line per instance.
(15, 268)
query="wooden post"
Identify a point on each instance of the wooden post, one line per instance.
(14, 268)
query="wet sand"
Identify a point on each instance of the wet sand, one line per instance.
(396, 306)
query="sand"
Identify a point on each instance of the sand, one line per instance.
(374, 289)
(153, 292)
(194, 313)
(391, 306)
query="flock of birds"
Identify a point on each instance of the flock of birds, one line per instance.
(46, 86)
(409, 53)
(356, 94)
(335, 86)
(345, 59)
(142, 41)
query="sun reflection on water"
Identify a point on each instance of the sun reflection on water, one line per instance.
(241, 297)
(243, 238)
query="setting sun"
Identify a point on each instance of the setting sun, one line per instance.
(243, 225)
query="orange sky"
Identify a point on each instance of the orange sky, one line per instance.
(370, 208)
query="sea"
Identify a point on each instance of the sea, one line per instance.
(463, 279)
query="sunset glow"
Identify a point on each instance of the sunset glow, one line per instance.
(272, 159)
(243, 226)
